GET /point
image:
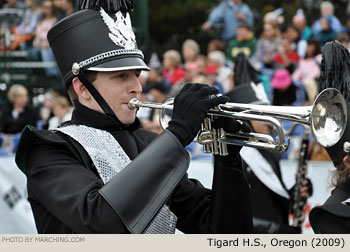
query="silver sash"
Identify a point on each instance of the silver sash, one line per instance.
(109, 159)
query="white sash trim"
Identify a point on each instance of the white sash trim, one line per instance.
(346, 202)
(263, 170)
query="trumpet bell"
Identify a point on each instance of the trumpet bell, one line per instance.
(329, 117)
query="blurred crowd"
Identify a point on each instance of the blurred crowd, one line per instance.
(25, 24)
(283, 61)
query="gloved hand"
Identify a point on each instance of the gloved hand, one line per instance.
(230, 125)
(307, 188)
(190, 108)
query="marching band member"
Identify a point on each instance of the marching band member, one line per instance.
(101, 172)
(333, 217)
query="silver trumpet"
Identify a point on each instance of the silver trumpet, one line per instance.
(326, 117)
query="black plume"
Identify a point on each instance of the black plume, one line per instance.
(335, 68)
(245, 73)
(111, 6)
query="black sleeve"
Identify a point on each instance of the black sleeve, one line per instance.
(78, 198)
(332, 224)
(224, 209)
(68, 191)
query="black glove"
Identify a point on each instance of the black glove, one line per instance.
(190, 108)
(230, 125)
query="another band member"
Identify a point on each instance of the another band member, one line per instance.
(100, 173)
(333, 217)
(271, 200)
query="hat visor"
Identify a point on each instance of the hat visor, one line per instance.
(121, 65)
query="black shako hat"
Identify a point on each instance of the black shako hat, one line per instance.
(97, 40)
(248, 93)
(335, 73)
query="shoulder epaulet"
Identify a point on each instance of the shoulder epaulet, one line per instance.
(30, 133)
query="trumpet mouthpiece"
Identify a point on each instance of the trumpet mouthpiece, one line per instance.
(134, 103)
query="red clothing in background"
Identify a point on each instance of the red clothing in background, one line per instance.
(174, 77)
(292, 56)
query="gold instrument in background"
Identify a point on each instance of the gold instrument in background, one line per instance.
(326, 117)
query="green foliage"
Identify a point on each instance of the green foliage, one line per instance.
(168, 17)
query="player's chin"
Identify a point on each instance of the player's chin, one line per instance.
(128, 117)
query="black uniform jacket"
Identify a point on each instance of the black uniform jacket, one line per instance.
(333, 217)
(65, 190)
(273, 216)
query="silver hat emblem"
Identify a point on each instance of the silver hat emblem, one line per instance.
(75, 68)
(121, 32)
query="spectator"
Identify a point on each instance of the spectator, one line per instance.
(286, 92)
(346, 27)
(267, 44)
(156, 76)
(327, 32)
(286, 56)
(344, 39)
(192, 70)
(327, 9)
(68, 7)
(211, 73)
(24, 32)
(61, 111)
(245, 42)
(18, 114)
(15, 19)
(59, 8)
(217, 58)
(158, 92)
(41, 49)
(308, 70)
(46, 111)
(202, 61)
(171, 63)
(274, 17)
(231, 13)
(299, 21)
(190, 50)
(215, 45)
(13, 4)
(299, 45)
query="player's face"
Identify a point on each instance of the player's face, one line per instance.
(117, 88)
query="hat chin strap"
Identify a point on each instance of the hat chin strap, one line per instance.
(98, 97)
